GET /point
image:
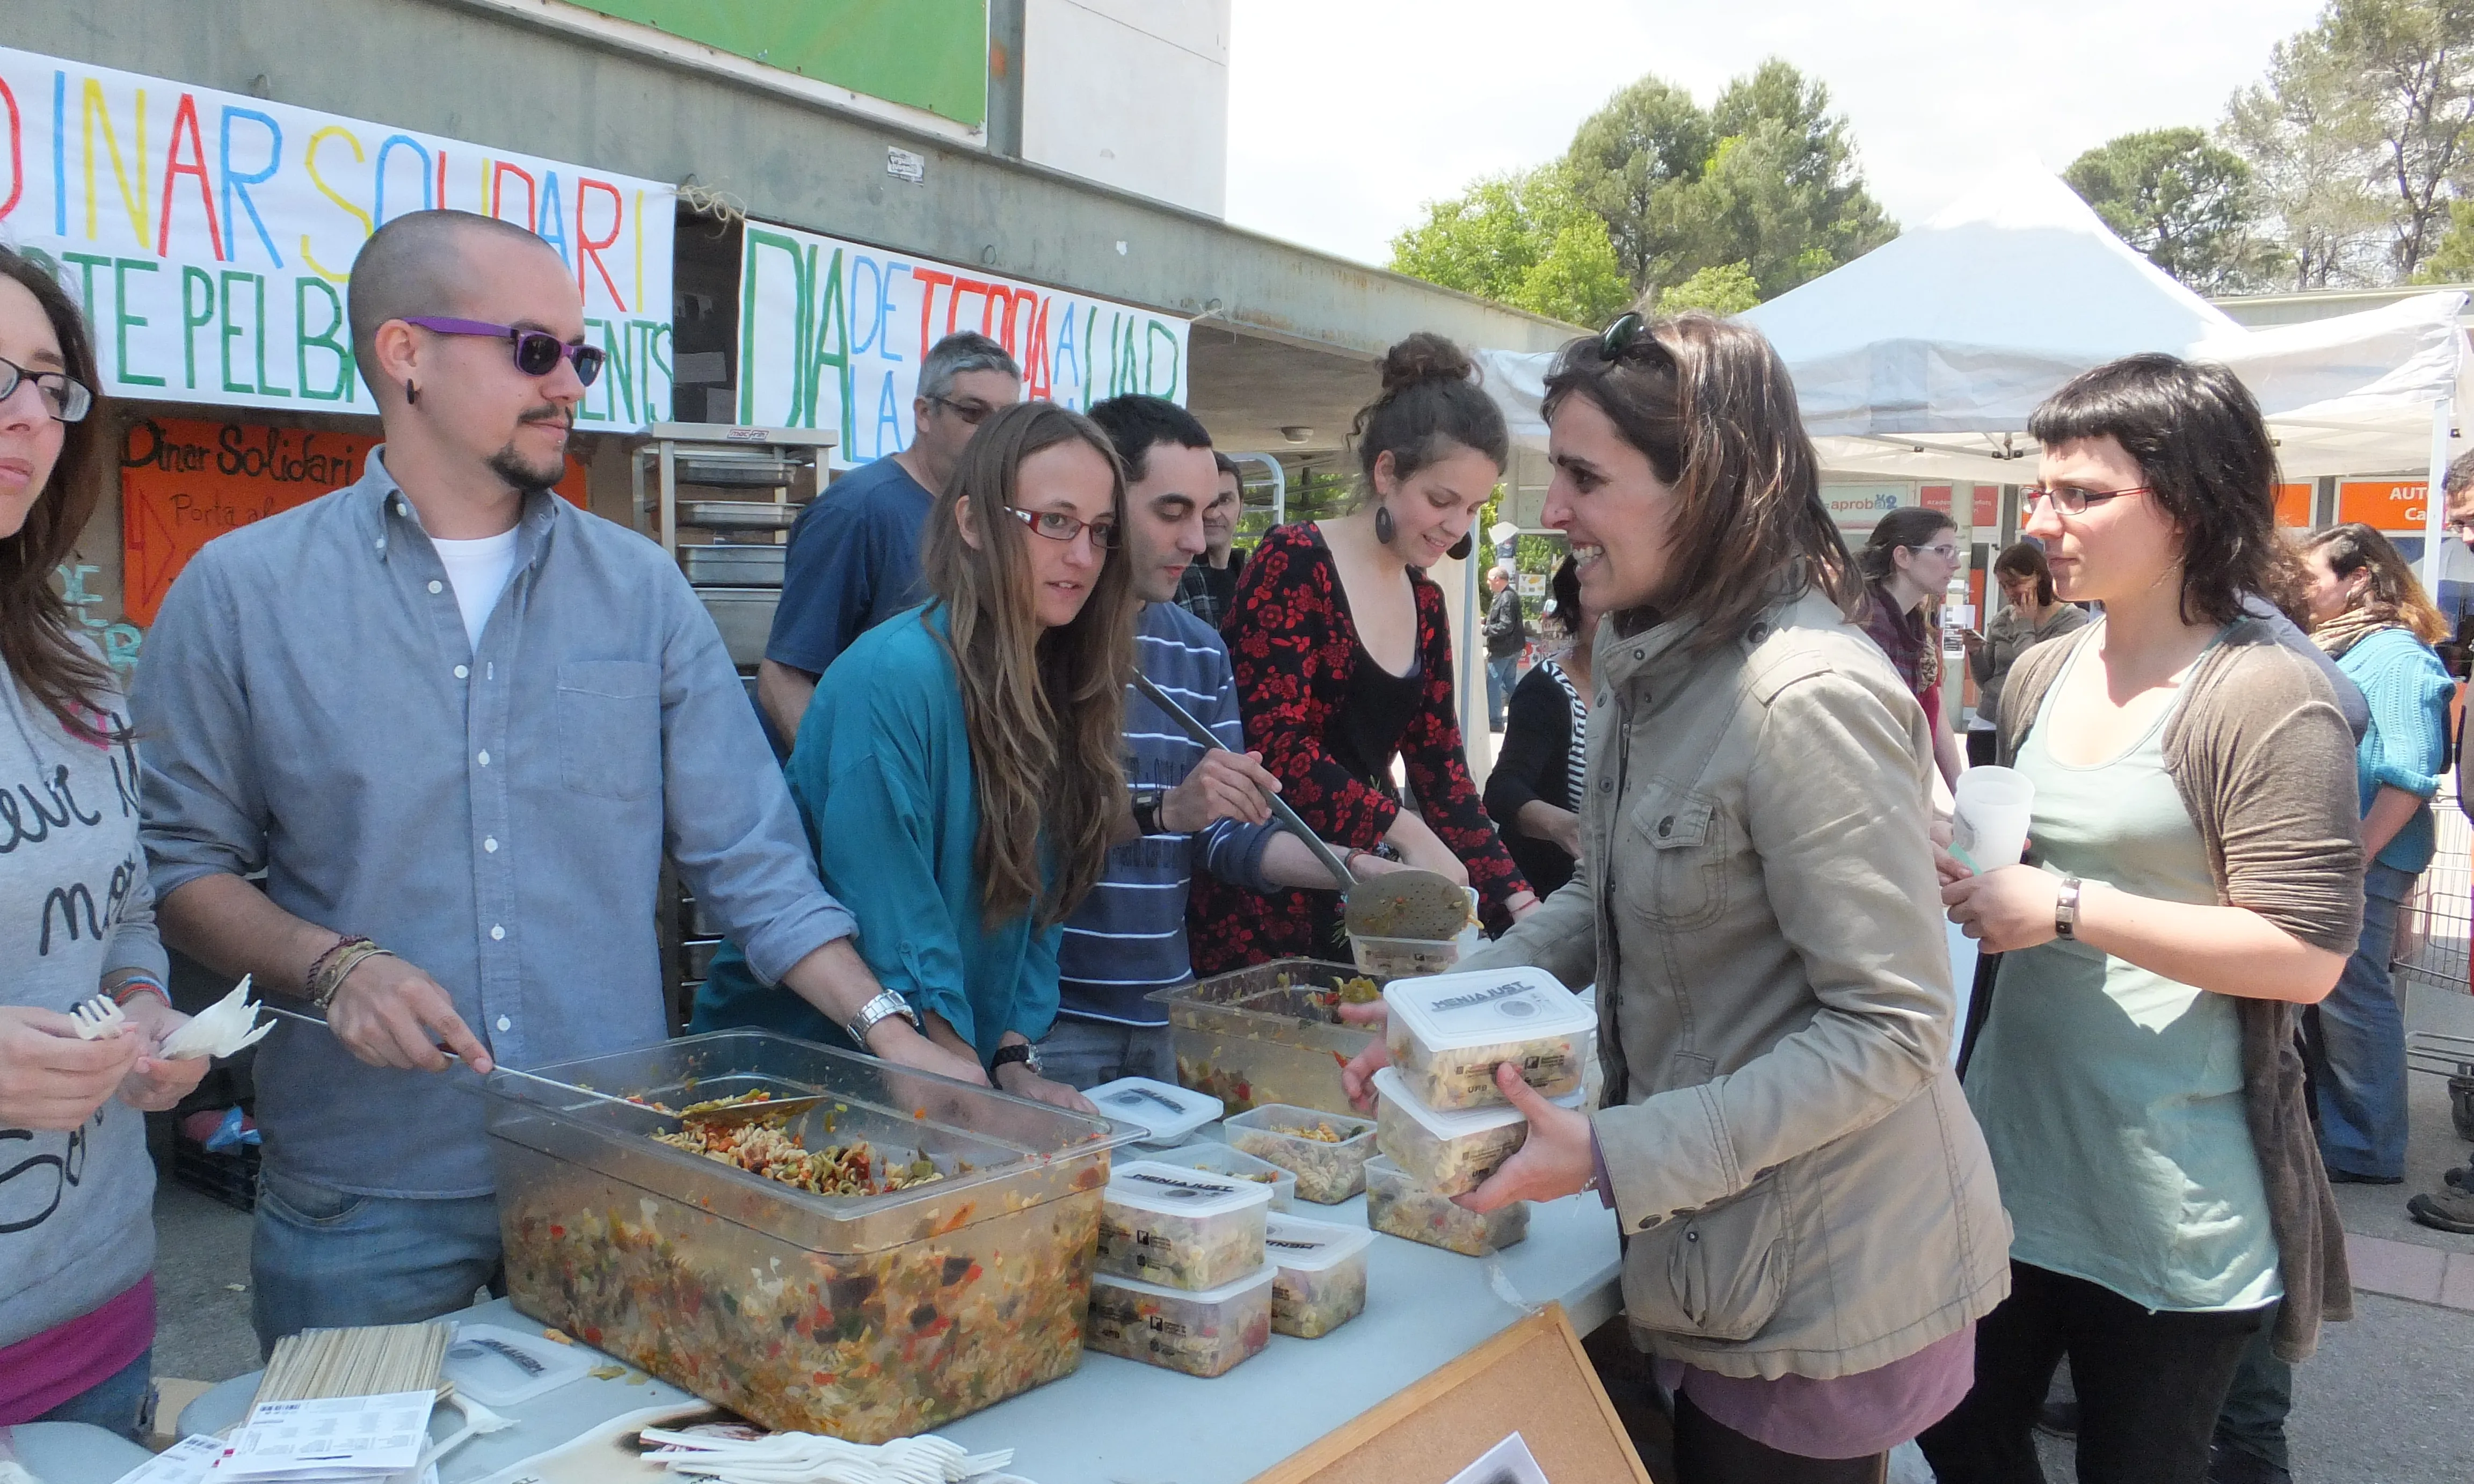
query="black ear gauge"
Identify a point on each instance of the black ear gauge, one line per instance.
(1385, 529)
(1461, 549)
(411, 393)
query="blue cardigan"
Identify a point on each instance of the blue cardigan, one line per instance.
(882, 778)
(2408, 691)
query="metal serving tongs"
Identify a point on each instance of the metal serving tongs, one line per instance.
(1407, 903)
(732, 1116)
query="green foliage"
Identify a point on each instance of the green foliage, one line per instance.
(2186, 203)
(2363, 136)
(1757, 193)
(1730, 289)
(2452, 260)
(1521, 239)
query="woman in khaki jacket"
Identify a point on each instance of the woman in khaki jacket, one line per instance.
(1809, 1218)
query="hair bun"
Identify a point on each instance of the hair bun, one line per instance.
(1425, 357)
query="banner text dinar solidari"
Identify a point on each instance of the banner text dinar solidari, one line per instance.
(831, 334)
(210, 235)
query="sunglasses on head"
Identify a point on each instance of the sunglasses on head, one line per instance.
(537, 351)
(1627, 336)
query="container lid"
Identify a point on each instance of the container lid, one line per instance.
(1306, 1246)
(1260, 1277)
(1168, 1110)
(1175, 1190)
(1481, 1006)
(1223, 1160)
(1279, 1117)
(1456, 1123)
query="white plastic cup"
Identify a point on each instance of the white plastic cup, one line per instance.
(1993, 809)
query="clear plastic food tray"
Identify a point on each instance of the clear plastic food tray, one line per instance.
(1401, 1206)
(1203, 1333)
(1181, 1227)
(1449, 1033)
(1268, 1034)
(1329, 1170)
(864, 1317)
(1321, 1281)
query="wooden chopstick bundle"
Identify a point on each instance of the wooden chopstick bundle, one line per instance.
(374, 1360)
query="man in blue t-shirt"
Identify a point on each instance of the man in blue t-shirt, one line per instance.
(853, 557)
(1195, 809)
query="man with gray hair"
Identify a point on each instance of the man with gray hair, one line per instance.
(1506, 635)
(853, 557)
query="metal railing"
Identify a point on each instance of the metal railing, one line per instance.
(2433, 935)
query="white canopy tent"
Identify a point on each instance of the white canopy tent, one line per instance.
(1923, 358)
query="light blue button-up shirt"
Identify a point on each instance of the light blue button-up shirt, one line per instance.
(307, 703)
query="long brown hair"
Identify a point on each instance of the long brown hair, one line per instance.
(1044, 709)
(38, 641)
(2027, 559)
(1711, 405)
(2393, 594)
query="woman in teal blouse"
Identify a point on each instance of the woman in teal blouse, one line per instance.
(2371, 617)
(957, 770)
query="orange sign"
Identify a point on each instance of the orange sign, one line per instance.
(184, 482)
(1936, 497)
(2384, 504)
(1986, 514)
(2294, 505)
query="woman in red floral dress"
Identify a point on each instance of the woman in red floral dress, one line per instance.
(1341, 648)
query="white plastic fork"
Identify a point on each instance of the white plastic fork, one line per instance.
(97, 1018)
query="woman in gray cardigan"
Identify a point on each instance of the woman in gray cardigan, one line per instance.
(2197, 877)
(77, 1230)
(1810, 1224)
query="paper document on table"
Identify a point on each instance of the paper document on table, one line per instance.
(1508, 1462)
(301, 1442)
(184, 1462)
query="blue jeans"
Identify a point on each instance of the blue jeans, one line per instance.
(113, 1402)
(1501, 675)
(2358, 1052)
(320, 1258)
(1083, 1053)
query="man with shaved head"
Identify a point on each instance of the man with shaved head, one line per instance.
(456, 722)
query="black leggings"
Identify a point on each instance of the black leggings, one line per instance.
(1709, 1451)
(2150, 1384)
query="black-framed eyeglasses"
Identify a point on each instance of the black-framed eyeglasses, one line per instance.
(1057, 525)
(538, 352)
(972, 412)
(67, 401)
(2070, 499)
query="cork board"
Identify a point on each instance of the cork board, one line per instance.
(1533, 1379)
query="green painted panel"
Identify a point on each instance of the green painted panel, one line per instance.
(929, 54)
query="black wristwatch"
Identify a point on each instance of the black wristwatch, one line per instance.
(1023, 1051)
(1146, 810)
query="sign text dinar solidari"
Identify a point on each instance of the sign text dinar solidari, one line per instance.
(831, 335)
(210, 235)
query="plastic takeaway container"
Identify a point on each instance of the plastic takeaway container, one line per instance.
(1329, 1170)
(1184, 1228)
(1221, 1160)
(1398, 1204)
(1321, 1282)
(1201, 1333)
(1168, 1112)
(1447, 1032)
(1452, 1152)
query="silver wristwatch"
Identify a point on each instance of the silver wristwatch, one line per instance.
(2066, 909)
(884, 1006)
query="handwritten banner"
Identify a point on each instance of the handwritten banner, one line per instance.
(210, 235)
(831, 333)
(186, 481)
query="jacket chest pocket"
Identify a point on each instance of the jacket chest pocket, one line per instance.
(610, 727)
(1673, 847)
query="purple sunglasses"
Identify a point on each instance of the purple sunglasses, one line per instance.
(537, 351)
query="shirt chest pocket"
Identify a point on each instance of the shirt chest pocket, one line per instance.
(1674, 844)
(610, 727)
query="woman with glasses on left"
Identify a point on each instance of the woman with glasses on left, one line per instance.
(1908, 561)
(957, 770)
(77, 1232)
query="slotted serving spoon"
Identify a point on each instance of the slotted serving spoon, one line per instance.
(1407, 903)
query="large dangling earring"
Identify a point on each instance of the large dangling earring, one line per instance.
(411, 393)
(1460, 549)
(1384, 527)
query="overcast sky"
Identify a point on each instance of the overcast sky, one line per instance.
(1346, 115)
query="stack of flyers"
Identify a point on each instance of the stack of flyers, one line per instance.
(336, 1440)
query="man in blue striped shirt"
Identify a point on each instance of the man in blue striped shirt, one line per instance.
(1197, 810)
